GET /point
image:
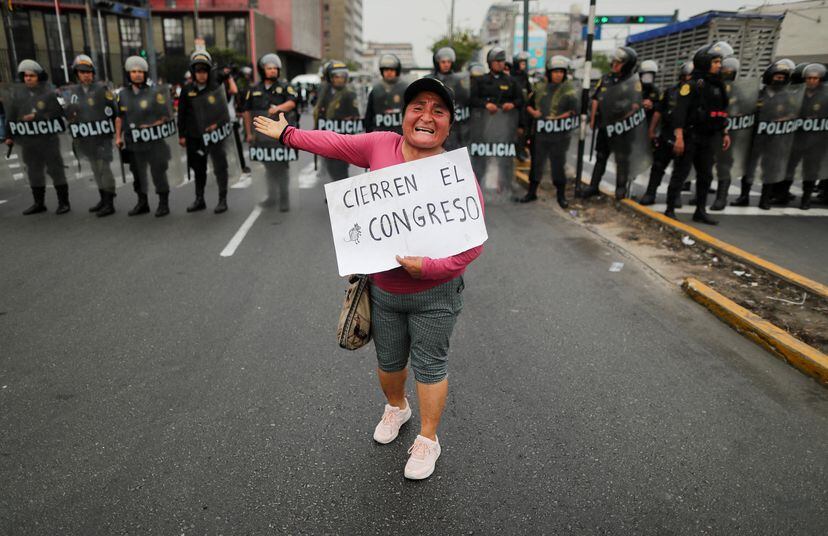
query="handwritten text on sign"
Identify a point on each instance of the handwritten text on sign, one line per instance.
(428, 207)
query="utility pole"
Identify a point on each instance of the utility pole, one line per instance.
(585, 97)
(525, 25)
(62, 45)
(150, 44)
(451, 23)
(93, 47)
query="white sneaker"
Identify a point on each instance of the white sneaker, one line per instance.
(424, 453)
(389, 427)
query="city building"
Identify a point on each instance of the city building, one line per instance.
(249, 28)
(342, 30)
(804, 33)
(373, 50)
(753, 37)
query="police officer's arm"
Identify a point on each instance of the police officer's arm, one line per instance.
(533, 106)
(477, 99)
(681, 115)
(515, 95)
(232, 88)
(288, 105)
(368, 120)
(183, 115)
(248, 119)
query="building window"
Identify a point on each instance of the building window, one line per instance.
(21, 36)
(131, 42)
(237, 34)
(207, 31)
(173, 36)
(53, 43)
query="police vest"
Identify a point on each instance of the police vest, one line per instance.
(141, 110)
(90, 111)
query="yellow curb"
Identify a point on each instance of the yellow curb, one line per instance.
(521, 176)
(795, 352)
(749, 258)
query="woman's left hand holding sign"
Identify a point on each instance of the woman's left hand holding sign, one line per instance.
(412, 265)
(270, 127)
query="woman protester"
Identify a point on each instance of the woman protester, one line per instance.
(414, 307)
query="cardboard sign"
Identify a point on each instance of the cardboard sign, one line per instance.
(428, 207)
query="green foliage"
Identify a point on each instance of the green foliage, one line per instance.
(226, 56)
(465, 44)
(601, 63)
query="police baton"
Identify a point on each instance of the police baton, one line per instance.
(9, 152)
(121, 159)
(592, 144)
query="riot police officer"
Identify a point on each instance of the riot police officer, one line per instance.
(496, 93)
(660, 133)
(90, 108)
(700, 116)
(810, 140)
(622, 66)
(443, 61)
(191, 122)
(272, 96)
(145, 109)
(553, 105)
(649, 91)
(34, 121)
(776, 106)
(520, 72)
(339, 113)
(384, 109)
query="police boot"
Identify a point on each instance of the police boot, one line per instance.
(765, 198)
(142, 207)
(807, 192)
(39, 195)
(531, 195)
(721, 196)
(100, 204)
(63, 199)
(621, 191)
(163, 205)
(561, 195)
(108, 207)
(744, 196)
(222, 203)
(198, 204)
(782, 194)
(701, 216)
(284, 194)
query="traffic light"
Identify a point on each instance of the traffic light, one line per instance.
(635, 19)
(143, 53)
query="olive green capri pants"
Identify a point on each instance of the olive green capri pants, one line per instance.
(417, 325)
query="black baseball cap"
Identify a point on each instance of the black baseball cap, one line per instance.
(435, 86)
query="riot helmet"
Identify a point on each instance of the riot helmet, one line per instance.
(685, 70)
(784, 67)
(730, 68)
(444, 54)
(627, 58)
(558, 63)
(33, 67)
(326, 71)
(83, 63)
(647, 71)
(519, 57)
(495, 54)
(338, 68)
(390, 61)
(201, 57)
(268, 59)
(817, 70)
(703, 58)
(476, 69)
(796, 75)
(136, 63)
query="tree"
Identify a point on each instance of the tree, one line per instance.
(601, 63)
(227, 56)
(465, 44)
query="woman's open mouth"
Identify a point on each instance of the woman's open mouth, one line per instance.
(423, 129)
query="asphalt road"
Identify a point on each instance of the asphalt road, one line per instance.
(150, 386)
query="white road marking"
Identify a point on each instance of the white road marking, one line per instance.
(18, 176)
(245, 181)
(3, 201)
(307, 177)
(748, 211)
(14, 165)
(231, 246)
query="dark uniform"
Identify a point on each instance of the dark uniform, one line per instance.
(339, 109)
(701, 112)
(498, 89)
(27, 108)
(663, 144)
(521, 76)
(809, 148)
(257, 101)
(384, 109)
(551, 133)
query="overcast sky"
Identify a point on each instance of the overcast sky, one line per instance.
(422, 22)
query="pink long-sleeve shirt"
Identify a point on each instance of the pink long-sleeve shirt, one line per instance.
(378, 150)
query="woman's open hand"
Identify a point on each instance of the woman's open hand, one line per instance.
(270, 127)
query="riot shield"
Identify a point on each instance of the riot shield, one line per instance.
(212, 117)
(90, 118)
(809, 155)
(776, 124)
(458, 83)
(386, 104)
(36, 124)
(554, 132)
(742, 95)
(624, 120)
(492, 148)
(150, 134)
